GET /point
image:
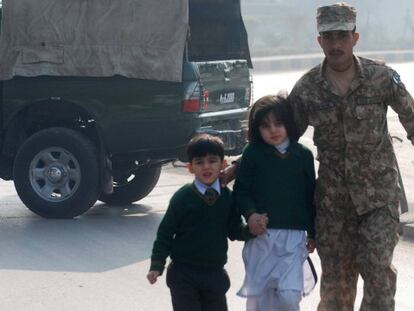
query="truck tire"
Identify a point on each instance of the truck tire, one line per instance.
(132, 187)
(56, 173)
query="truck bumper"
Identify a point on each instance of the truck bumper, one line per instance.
(229, 125)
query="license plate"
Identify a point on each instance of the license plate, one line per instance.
(227, 98)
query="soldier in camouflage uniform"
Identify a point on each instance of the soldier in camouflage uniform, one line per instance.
(345, 99)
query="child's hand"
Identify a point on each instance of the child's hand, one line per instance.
(310, 245)
(152, 276)
(257, 223)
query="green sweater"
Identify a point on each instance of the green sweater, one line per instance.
(192, 232)
(280, 185)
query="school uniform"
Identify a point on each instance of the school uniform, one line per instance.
(194, 234)
(279, 182)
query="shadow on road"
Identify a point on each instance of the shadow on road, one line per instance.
(105, 238)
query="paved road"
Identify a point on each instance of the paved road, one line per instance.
(99, 260)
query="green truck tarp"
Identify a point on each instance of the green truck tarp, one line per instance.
(142, 39)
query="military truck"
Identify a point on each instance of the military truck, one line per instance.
(96, 96)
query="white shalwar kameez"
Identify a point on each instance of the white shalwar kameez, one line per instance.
(274, 270)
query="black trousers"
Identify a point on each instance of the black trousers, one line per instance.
(197, 289)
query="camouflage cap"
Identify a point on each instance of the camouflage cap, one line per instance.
(339, 16)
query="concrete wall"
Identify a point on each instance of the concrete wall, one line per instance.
(307, 61)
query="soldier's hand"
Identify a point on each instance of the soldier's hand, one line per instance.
(152, 276)
(310, 245)
(228, 174)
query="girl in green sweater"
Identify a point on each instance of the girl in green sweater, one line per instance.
(274, 191)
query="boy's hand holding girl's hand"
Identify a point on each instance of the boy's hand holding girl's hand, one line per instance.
(257, 223)
(152, 276)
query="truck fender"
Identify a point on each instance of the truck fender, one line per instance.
(36, 116)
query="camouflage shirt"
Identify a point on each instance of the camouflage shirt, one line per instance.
(350, 132)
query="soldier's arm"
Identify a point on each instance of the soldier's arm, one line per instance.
(403, 104)
(300, 112)
(310, 189)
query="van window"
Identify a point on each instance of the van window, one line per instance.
(217, 31)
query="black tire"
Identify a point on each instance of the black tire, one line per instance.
(56, 173)
(132, 187)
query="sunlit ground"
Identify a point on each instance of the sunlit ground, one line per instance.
(273, 82)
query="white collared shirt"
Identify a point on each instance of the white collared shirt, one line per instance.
(202, 187)
(282, 147)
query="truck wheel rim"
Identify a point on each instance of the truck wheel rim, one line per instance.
(55, 174)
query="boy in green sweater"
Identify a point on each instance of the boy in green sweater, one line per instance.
(194, 233)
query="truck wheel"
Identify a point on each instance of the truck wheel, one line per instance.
(56, 173)
(133, 186)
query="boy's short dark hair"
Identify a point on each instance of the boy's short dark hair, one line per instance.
(279, 106)
(205, 144)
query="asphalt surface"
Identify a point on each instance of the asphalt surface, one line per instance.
(99, 260)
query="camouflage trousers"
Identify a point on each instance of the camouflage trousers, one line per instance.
(350, 245)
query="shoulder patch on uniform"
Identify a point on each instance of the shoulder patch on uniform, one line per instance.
(396, 78)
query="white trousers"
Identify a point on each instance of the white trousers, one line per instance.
(274, 300)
